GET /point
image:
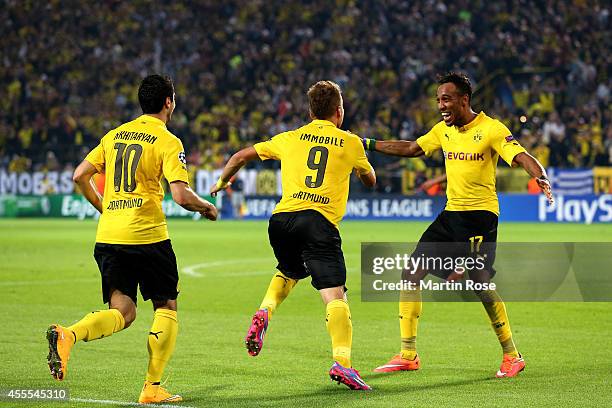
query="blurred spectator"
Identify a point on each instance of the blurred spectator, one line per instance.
(553, 127)
(236, 193)
(608, 146)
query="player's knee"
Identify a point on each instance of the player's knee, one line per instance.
(129, 319)
(413, 276)
(329, 294)
(128, 313)
(164, 304)
(480, 276)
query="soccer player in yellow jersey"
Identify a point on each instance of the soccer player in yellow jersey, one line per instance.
(132, 245)
(316, 163)
(472, 143)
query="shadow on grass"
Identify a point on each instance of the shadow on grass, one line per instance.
(330, 394)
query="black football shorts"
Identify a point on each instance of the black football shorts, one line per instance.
(306, 244)
(152, 267)
(460, 234)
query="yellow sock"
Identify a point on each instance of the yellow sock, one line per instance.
(162, 339)
(340, 328)
(410, 307)
(279, 288)
(97, 325)
(496, 309)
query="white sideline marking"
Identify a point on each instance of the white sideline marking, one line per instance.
(191, 270)
(127, 404)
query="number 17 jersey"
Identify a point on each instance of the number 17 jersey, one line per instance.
(316, 164)
(134, 157)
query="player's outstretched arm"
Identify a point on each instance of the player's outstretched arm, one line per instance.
(83, 178)
(235, 163)
(367, 179)
(403, 148)
(429, 183)
(184, 196)
(535, 169)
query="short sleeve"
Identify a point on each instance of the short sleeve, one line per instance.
(271, 149)
(504, 143)
(362, 165)
(174, 162)
(96, 157)
(430, 142)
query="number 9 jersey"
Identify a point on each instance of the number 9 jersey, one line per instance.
(134, 157)
(316, 164)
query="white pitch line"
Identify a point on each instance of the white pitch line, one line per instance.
(188, 270)
(125, 403)
(191, 270)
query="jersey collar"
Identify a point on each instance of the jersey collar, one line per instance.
(148, 118)
(322, 122)
(475, 122)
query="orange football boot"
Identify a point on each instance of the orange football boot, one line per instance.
(153, 393)
(60, 341)
(510, 366)
(397, 363)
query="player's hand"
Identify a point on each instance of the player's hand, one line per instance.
(210, 213)
(219, 186)
(426, 185)
(215, 190)
(544, 185)
(455, 276)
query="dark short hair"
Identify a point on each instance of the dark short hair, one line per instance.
(153, 91)
(461, 81)
(323, 99)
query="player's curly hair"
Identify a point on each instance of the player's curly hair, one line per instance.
(153, 91)
(461, 81)
(323, 99)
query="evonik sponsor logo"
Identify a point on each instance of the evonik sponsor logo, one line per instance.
(466, 156)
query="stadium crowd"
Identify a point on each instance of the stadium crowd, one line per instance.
(241, 68)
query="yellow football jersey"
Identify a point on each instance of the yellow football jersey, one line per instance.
(316, 164)
(470, 157)
(134, 157)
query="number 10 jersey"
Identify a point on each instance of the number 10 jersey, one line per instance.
(316, 164)
(134, 157)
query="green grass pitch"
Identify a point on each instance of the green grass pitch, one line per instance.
(48, 275)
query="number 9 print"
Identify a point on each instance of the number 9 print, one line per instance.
(318, 165)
